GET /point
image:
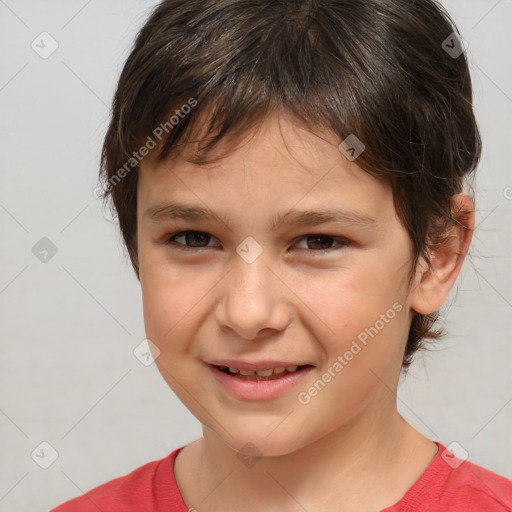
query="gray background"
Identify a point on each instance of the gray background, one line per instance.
(69, 326)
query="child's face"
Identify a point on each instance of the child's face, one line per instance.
(291, 304)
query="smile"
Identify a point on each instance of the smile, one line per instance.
(268, 374)
(261, 384)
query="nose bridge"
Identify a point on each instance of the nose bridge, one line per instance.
(251, 296)
(250, 281)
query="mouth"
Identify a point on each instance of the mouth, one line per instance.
(265, 374)
(261, 381)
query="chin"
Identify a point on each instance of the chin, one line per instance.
(261, 445)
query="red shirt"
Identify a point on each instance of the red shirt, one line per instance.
(448, 484)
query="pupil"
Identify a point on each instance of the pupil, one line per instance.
(323, 238)
(194, 236)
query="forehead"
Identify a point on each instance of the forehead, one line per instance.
(277, 166)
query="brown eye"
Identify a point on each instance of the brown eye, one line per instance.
(319, 242)
(315, 243)
(192, 239)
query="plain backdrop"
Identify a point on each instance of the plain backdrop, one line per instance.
(69, 325)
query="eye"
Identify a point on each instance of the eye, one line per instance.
(194, 238)
(321, 243)
(199, 240)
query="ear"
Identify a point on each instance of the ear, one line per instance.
(433, 283)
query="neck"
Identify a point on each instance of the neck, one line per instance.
(367, 464)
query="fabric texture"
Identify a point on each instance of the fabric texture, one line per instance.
(448, 484)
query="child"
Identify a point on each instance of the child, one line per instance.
(288, 178)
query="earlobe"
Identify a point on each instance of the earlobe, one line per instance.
(433, 283)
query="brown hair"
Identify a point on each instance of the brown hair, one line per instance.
(377, 69)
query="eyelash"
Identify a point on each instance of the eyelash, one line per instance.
(170, 240)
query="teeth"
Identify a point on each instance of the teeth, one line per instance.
(260, 373)
(265, 373)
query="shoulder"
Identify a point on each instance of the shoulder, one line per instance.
(141, 489)
(471, 487)
(450, 484)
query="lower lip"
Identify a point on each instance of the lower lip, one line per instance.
(259, 390)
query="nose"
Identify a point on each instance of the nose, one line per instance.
(254, 301)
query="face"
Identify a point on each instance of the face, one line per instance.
(262, 285)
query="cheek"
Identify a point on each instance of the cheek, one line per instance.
(163, 306)
(172, 300)
(348, 301)
(358, 316)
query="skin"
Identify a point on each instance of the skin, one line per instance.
(291, 303)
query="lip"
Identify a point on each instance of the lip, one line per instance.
(251, 389)
(255, 366)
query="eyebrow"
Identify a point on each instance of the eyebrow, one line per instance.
(175, 211)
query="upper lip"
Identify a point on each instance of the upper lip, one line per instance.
(255, 366)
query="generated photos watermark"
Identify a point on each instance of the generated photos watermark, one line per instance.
(357, 345)
(143, 151)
